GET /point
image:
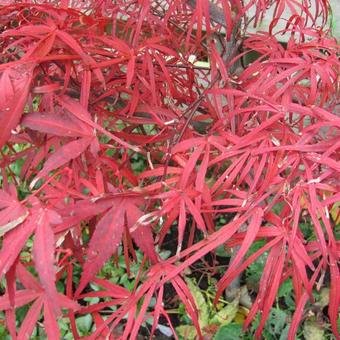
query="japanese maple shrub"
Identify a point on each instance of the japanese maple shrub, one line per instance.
(123, 122)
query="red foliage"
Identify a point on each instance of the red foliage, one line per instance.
(86, 89)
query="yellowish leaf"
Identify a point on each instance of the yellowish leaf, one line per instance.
(312, 330)
(187, 332)
(227, 314)
(201, 304)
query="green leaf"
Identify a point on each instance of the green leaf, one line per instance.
(92, 300)
(323, 300)
(220, 251)
(84, 324)
(286, 288)
(284, 333)
(277, 320)
(231, 331)
(203, 310)
(187, 332)
(165, 254)
(312, 330)
(289, 301)
(226, 314)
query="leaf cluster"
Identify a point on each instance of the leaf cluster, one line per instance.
(128, 123)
